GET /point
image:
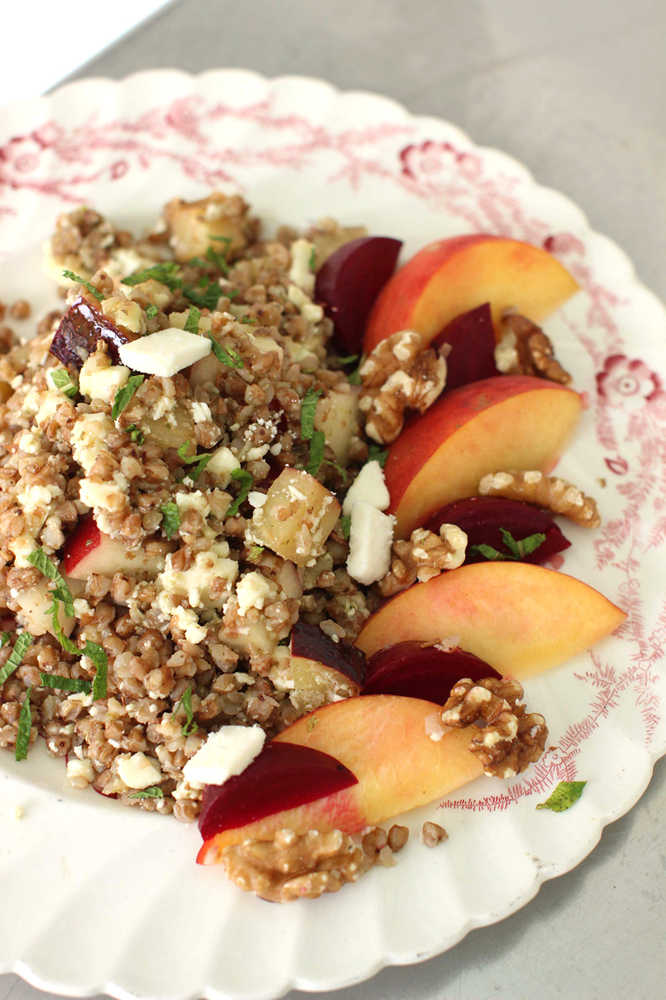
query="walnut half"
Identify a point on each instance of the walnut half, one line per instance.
(398, 375)
(510, 738)
(550, 492)
(423, 556)
(524, 349)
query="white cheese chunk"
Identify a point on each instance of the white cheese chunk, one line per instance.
(138, 771)
(370, 540)
(300, 272)
(224, 754)
(195, 583)
(98, 379)
(253, 591)
(77, 769)
(164, 353)
(222, 464)
(368, 487)
(201, 412)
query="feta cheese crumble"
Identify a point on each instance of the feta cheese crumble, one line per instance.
(138, 771)
(164, 353)
(368, 487)
(370, 541)
(225, 753)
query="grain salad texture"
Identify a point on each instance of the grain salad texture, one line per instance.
(187, 606)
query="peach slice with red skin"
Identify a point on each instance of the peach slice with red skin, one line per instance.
(506, 422)
(383, 740)
(520, 618)
(452, 276)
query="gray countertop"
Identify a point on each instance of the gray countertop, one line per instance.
(576, 92)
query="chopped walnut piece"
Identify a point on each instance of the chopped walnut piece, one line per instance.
(524, 349)
(511, 738)
(295, 866)
(433, 834)
(423, 556)
(550, 492)
(398, 375)
(398, 837)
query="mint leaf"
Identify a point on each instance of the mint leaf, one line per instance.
(217, 259)
(317, 447)
(136, 434)
(124, 395)
(153, 792)
(65, 683)
(192, 321)
(15, 659)
(206, 297)
(377, 454)
(511, 543)
(86, 284)
(346, 359)
(487, 551)
(254, 552)
(5, 638)
(312, 260)
(24, 727)
(167, 274)
(198, 462)
(65, 641)
(345, 525)
(531, 543)
(151, 312)
(171, 519)
(97, 656)
(564, 796)
(185, 703)
(308, 410)
(39, 559)
(229, 357)
(61, 379)
(245, 479)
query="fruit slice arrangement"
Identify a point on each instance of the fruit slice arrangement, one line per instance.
(510, 619)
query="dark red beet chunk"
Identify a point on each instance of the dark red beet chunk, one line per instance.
(482, 517)
(472, 339)
(80, 329)
(350, 280)
(309, 642)
(283, 776)
(415, 670)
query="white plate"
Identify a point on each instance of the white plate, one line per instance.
(121, 907)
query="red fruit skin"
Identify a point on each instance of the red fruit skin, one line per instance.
(350, 280)
(85, 537)
(283, 776)
(418, 670)
(309, 642)
(482, 517)
(472, 339)
(80, 329)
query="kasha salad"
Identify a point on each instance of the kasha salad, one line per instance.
(273, 521)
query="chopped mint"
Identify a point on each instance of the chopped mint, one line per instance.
(66, 683)
(317, 447)
(185, 703)
(24, 727)
(151, 312)
(308, 410)
(564, 796)
(61, 379)
(15, 659)
(153, 792)
(377, 454)
(167, 274)
(124, 395)
(345, 525)
(227, 357)
(192, 321)
(246, 482)
(86, 284)
(171, 518)
(517, 549)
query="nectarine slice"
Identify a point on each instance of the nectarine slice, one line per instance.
(452, 276)
(507, 422)
(520, 618)
(384, 741)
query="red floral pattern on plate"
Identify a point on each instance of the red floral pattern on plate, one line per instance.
(67, 162)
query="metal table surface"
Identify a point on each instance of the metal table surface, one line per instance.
(576, 92)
